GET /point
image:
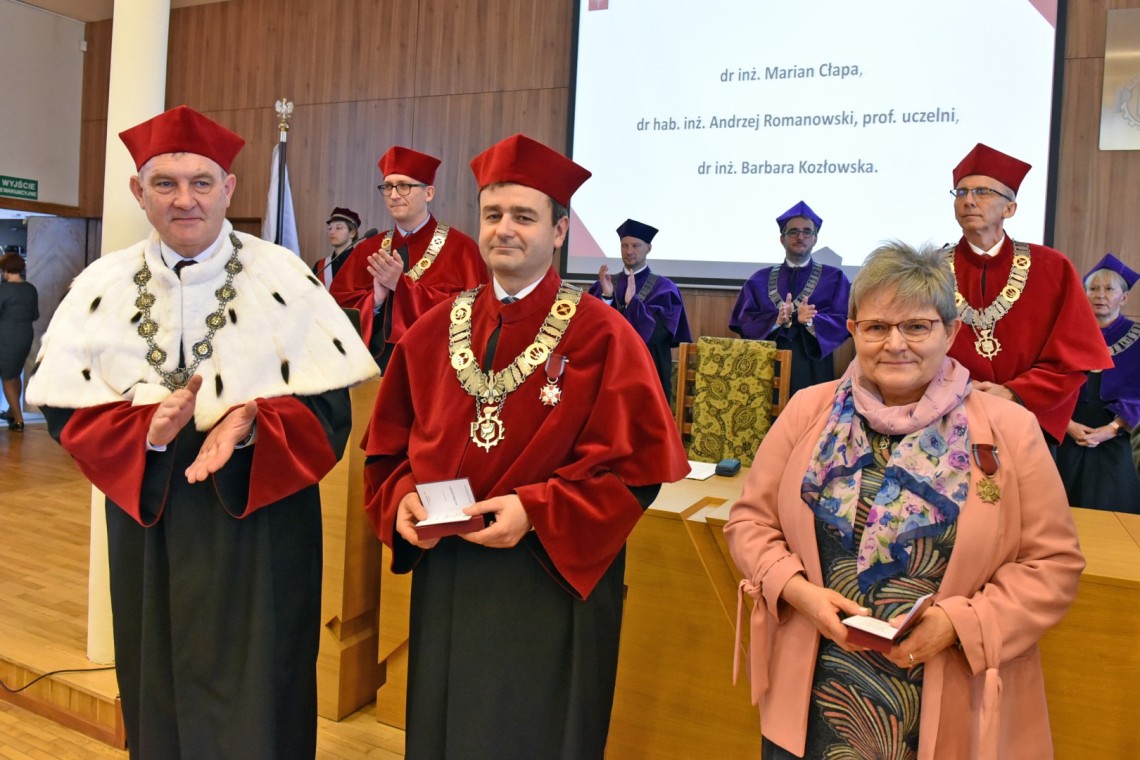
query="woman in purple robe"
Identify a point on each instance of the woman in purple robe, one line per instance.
(1095, 459)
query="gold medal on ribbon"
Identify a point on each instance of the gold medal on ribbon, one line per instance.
(986, 457)
(551, 394)
(988, 490)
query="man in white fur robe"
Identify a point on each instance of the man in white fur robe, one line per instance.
(206, 401)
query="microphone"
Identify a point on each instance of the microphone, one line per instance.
(370, 232)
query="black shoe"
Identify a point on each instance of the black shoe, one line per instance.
(16, 427)
(7, 417)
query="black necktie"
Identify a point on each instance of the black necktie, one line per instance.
(178, 267)
(493, 341)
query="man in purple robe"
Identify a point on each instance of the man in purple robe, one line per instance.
(1095, 457)
(800, 304)
(650, 302)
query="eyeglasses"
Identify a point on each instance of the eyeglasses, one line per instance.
(979, 193)
(911, 330)
(797, 232)
(403, 188)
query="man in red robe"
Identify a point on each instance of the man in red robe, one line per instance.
(394, 278)
(199, 379)
(1031, 334)
(514, 627)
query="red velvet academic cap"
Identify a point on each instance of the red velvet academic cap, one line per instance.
(523, 161)
(182, 130)
(988, 162)
(411, 163)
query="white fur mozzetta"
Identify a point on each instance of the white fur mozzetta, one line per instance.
(284, 334)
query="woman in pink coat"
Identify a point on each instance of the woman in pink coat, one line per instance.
(897, 481)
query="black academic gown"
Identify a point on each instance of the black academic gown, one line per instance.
(216, 618)
(1103, 477)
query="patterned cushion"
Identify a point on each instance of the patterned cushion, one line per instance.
(732, 401)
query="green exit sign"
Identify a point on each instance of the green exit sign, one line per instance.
(17, 187)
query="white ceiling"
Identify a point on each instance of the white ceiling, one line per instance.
(95, 10)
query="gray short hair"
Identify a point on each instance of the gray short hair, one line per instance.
(1116, 278)
(920, 277)
(177, 155)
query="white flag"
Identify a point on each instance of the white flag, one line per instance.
(288, 221)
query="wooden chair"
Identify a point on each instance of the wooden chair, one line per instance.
(685, 391)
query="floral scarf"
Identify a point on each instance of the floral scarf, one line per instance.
(924, 482)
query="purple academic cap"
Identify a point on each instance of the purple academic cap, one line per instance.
(636, 229)
(1116, 265)
(800, 209)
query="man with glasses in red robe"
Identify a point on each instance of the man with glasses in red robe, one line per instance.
(1029, 334)
(395, 277)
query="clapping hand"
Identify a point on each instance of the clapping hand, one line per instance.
(385, 268)
(805, 313)
(173, 413)
(606, 281)
(220, 443)
(784, 311)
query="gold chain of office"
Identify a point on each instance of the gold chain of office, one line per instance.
(803, 296)
(490, 388)
(438, 238)
(983, 322)
(215, 321)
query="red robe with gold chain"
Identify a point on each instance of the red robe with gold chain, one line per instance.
(530, 631)
(457, 267)
(1049, 338)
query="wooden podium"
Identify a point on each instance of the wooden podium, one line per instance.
(675, 697)
(347, 671)
(1092, 658)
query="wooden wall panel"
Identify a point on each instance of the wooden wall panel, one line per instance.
(1085, 33)
(1097, 193)
(93, 149)
(708, 310)
(456, 128)
(493, 45)
(249, 53)
(333, 149)
(93, 124)
(96, 70)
